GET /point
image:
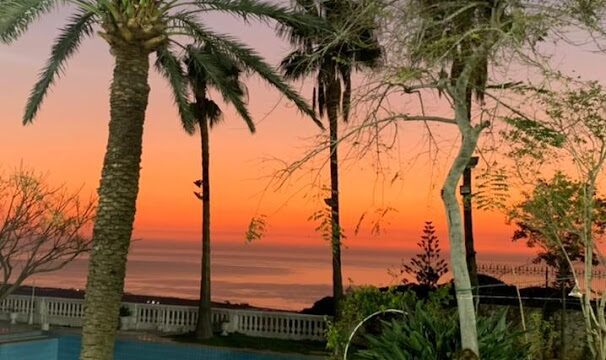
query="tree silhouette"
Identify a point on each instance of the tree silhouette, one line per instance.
(428, 266)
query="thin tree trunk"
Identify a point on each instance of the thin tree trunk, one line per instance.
(464, 295)
(204, 324)
(333, 119)
(470, 250)
(117, 201)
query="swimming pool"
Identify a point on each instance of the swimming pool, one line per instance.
(68, 347)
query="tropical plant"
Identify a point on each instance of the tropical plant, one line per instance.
(210, 68)
(133, 30)
(429, 332)
(331, 60)
(428, 266)
(357, 305)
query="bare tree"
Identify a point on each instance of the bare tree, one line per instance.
(41, 227)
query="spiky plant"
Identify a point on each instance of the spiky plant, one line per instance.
(331, 60)
(133, 29)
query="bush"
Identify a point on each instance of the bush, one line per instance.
(356, 306)
(429, 330)
(125, 311)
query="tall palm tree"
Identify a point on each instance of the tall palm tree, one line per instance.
(133, 29)
(210, 68)
(331, 60)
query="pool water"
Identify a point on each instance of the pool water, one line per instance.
(68, 348)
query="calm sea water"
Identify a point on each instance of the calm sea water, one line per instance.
(285, 277)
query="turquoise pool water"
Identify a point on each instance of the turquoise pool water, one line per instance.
(68, 347)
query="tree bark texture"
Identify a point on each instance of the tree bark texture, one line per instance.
(332, 109)
(118, 191)
(204, 324)
(464, 295)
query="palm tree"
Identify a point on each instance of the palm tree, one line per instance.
(133, 29)
(331, 62)
(209, 67)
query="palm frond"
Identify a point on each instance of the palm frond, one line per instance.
(263, 11)
(298, 64)
(345, 71)
(321, 94)
(203, 62)
(225, 78)
(170, 67)
(17, 15)
(248, 60)
(213, 113)
(79, 26)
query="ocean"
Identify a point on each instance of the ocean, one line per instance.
(258, 274)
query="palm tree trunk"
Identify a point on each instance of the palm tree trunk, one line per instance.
(117, 201)
(204, 324)
(333, 119)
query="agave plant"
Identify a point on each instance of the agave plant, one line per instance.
(134, 29)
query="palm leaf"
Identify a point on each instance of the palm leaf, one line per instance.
(17, 15)
(213, 113)
(345, 71)
(203, 62)
(263, 11)
(79, 26)
(298, 64)
(247, 58)
(170, 67)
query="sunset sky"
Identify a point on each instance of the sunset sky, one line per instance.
(68, 139)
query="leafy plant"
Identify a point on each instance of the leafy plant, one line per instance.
(125, 311)
(358, 304)
(551, 218)
(542, 336)
(429, 330)
(430, 333)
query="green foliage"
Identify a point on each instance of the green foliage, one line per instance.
(428, 331)
(350, 44)
(542, 336)
(17, 15)
(492, 189)
(169, 66)
(574, 125)
(428, 266)
(433, 334)
(125, 311)
(324, 225)
(78, 28)
(358, 304)
(552, 217)
(148, 24)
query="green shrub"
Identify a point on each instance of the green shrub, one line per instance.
(356, 306)
(428, 331)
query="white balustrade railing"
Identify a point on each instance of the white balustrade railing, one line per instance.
(170, 318)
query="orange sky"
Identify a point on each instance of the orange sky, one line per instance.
(68, 140)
